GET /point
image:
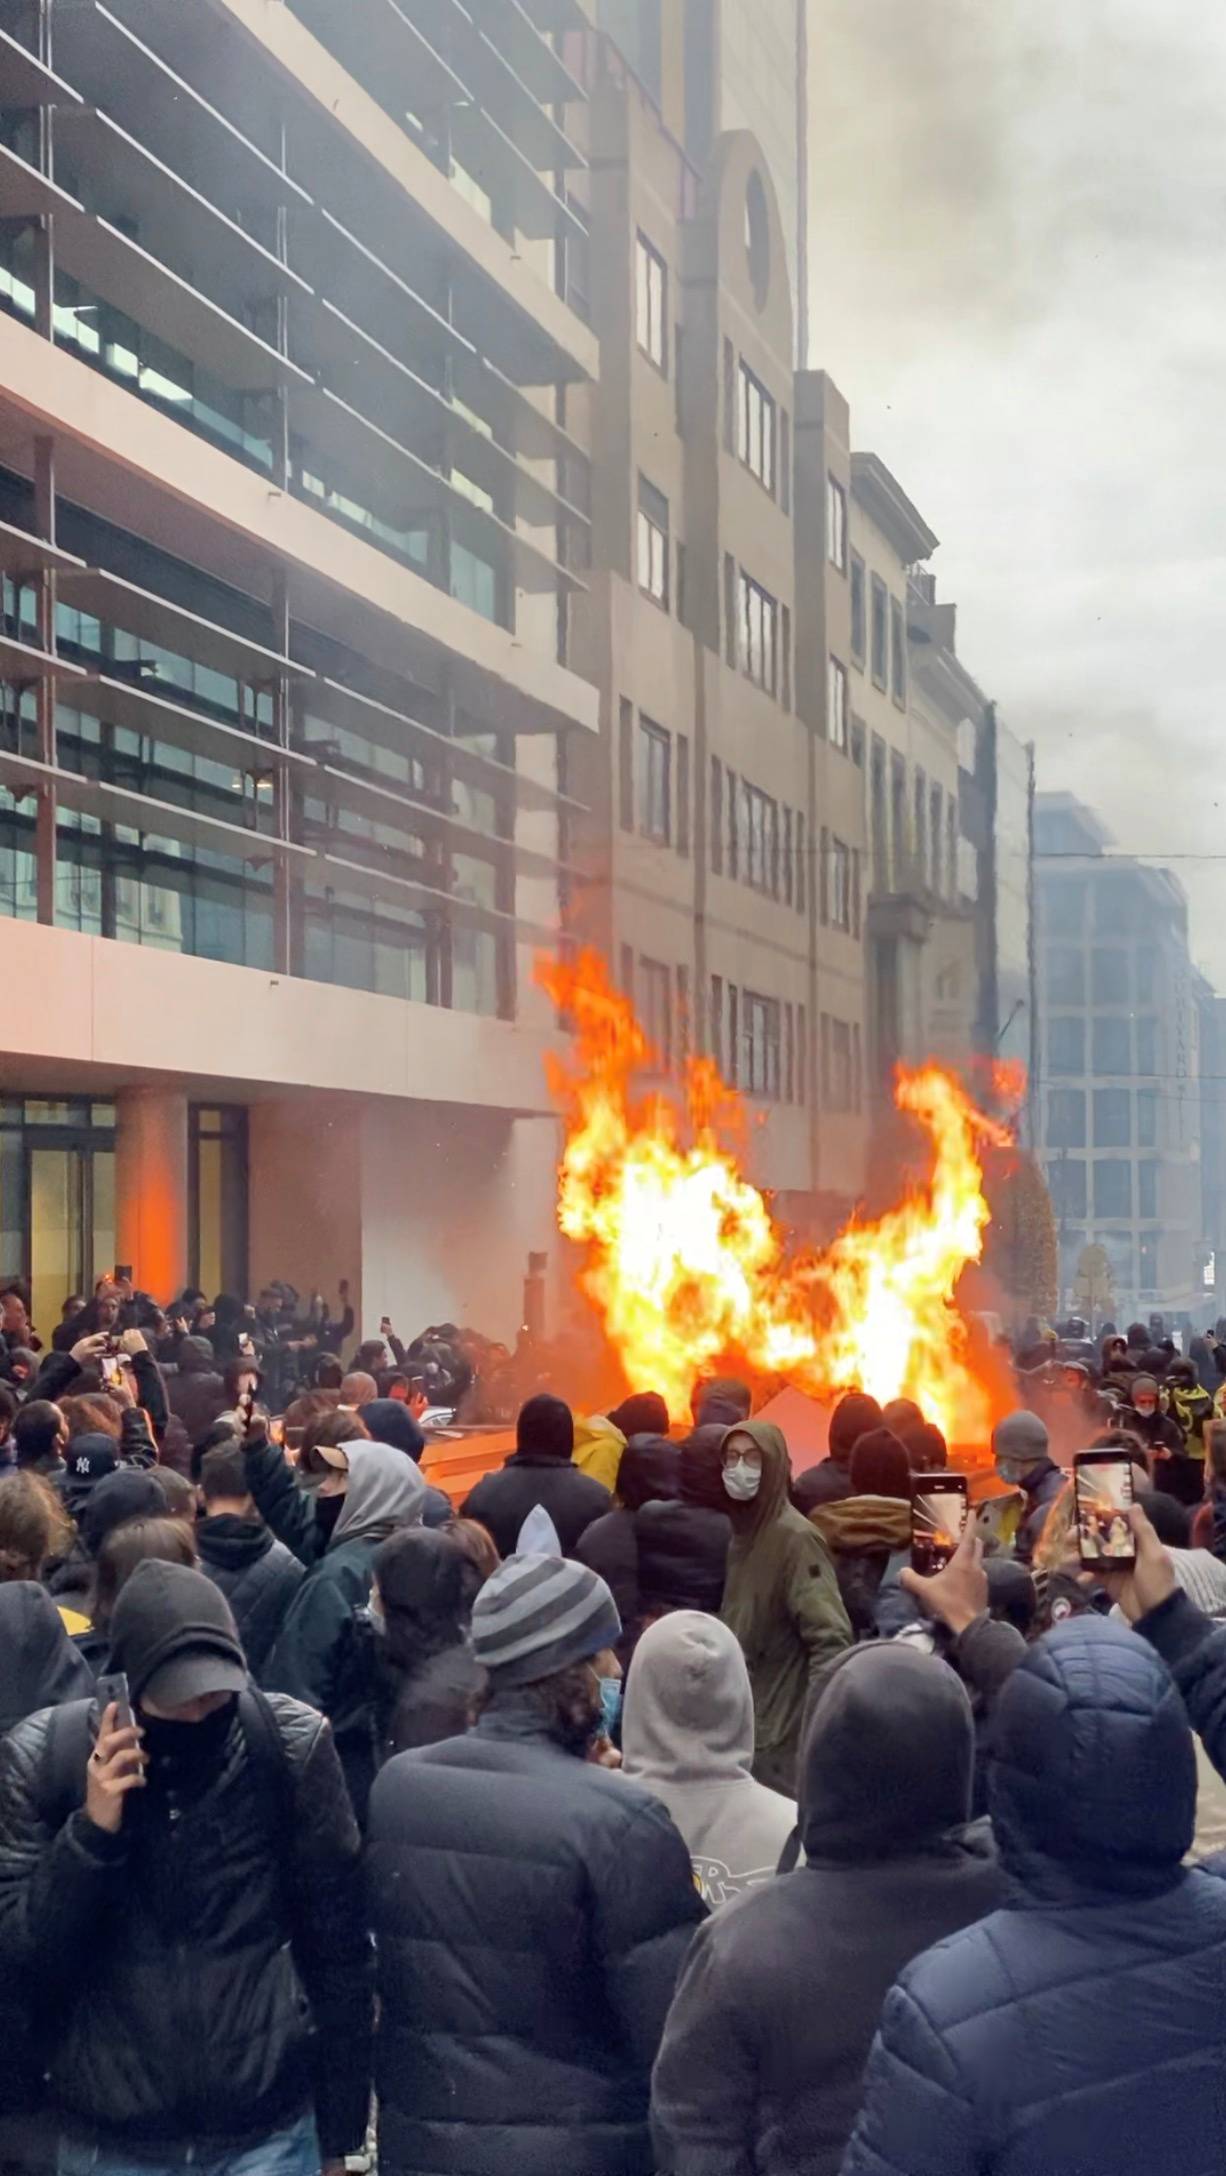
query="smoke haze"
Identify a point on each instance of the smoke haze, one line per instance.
(1017, 229)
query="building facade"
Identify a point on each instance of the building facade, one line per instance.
(1120, 1102)
(290, 525)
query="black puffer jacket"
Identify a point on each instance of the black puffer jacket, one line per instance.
(503, 1500)
(257, 1575)
(531, 1912)
(161, 1957)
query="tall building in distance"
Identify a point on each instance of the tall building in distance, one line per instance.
(1120, 1101)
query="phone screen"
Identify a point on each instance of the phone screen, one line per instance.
(112, 1371)
(108, 1690)
(938, 1518)
(1103, 1484)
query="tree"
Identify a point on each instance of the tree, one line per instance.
(1094, 1286)
(1021, 1249)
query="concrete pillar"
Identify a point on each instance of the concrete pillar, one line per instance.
(151, 1188)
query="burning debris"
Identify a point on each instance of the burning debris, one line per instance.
(688, 1269)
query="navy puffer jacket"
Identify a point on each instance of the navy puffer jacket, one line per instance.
(1079, 2030)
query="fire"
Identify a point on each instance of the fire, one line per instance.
(687, 1267)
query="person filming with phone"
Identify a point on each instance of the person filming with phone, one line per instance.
(179, 1901)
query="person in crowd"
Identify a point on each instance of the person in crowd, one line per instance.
(687, 1737)
(1020, 1449)
(87, 1460)
(358, 1389)
(313, 1656)
(854, 1416)
(204, 1860)
(781, 1599)
(1162, 1438)
(479, 1548)
(648, 1472)
(40, 1439)
(16, 1330)
(764, 2053)
(93, 1412)
(371, 1357)
(530, 1909)
(302, 1509)
(36, 1531)
(197, 1391)
(127, 1542)
(540, 1471)
(257, 1574)
(644, 1413)
(42, 1667)
(179, 1495)
(870, 1530)
(1012, 1595)
(721, 1401)
(1080, 2026)
(429, 1684)
(1190, 1407)
(388, 1420)
(601, 1438)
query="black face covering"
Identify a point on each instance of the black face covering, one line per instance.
(327, 1512)
(190, 1749)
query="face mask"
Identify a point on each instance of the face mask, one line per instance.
(610, 1706)
(189, 1746)
(742, 1481)
(1146, 1411)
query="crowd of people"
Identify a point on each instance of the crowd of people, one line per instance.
(646, 1813)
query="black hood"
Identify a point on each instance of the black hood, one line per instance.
(649, 1473)
(886, 1765)
(41, 1665)
(232, 1544)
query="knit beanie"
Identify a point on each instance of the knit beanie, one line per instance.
(1021, 1435)
(645, 1414)
(546, 1426)
(537, 1615)
(852, 1418)
(880, 1466)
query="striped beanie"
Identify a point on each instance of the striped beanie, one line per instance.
(537, 1615)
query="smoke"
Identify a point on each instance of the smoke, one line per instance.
(1017, 245)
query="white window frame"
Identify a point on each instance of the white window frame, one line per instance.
(651, 302)
(837, 706)
(836, 524)
(655, 769)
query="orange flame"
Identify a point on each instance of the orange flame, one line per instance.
(687, 1267)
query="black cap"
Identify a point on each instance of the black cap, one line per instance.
(88, 1460)
(173, 1635)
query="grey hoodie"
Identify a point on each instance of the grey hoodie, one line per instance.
(385, 1490)
(687, 1737)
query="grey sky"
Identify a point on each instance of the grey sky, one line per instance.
(1019, 222)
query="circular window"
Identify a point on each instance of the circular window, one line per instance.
(757, 238)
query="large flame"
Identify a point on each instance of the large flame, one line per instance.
(687, 1267)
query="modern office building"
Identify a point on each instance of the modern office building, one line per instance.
(1120, 1103)
(291, 523)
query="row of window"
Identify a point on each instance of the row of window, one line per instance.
(1125, 1261)
(654, 780)
(884, 645)
(757, 628)
(1067, 1182)
(1123, 904)
(755, 839)
(916, 843)
(1115, 1124)
(759, 1043)
(1117, 974)
(1113, 1046)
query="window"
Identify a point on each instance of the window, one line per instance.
(785, 461)
(716, 817)
(880, 627)
(840, 885)
(1066, 1183)
(715, 1025)
(1147, 1118)
(625, 762)
(1147, 1043)
(836, 726)
(1149, 1265)
(651, 302)
(800, 863)
(1110, 975)
(952, 839)
(789, 1054)
(760, 840)
(756, 426)
(757, 638)
(785, 657)
(729, 609)
(789, 871)
(1112, 1046)
(1066, 1046)
(1147, 962)
(1066, 1118)
(1063, 905)
(655, 782)
(653, 542)
(802, 1055)
(1066, 975)
(837, 1078)
(683, 794)
(733, 816)
(836, 525)
(1113, 1186)
(936, 801)
(1147, 1188)
(734, 1034)
(920, 832)
(857, 609)
(730, 407)
(1112, 1118)
(656, 1010)
(760, 1023)
(898, 652)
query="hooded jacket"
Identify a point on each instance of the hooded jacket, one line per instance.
(862, 1534)
(257, 1575)
(782, 1601)
(1081, 2026)
(502, 1501)
(41, 1665)
(313, 1651)
(762, 2065)
(649, 1472)
(530, 1911)
(687, 1737)
(197, 1389)
(204, 1972)
(854, 1416)
(389, 1420)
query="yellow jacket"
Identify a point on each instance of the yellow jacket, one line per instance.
(598, 1449)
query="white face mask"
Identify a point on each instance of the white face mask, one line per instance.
(742, 1481)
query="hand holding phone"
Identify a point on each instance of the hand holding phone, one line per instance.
(385, 1325)
(1103, 1496)
(246, 1412)
(117, 1763)
(939, 1504)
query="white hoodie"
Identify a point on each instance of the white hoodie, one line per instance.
(687, 1737)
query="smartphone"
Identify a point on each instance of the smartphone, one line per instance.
(110, 1691)
(246, 1407)
(1102, 1485)
(939, 1508)
(112, 1372)
(123, 1272)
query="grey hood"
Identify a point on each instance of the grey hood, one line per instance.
(687, 1737)
(885, 1768)
(385, 1491)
